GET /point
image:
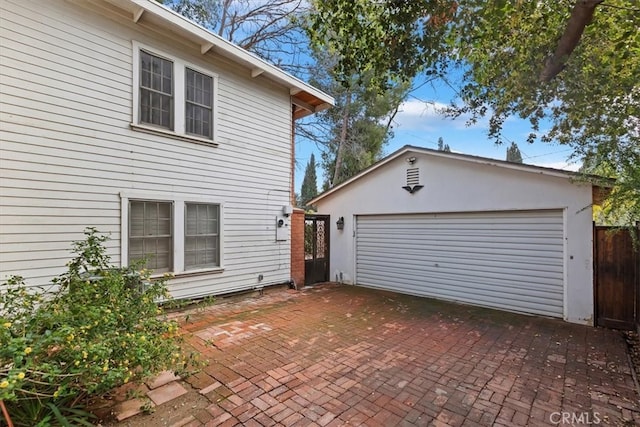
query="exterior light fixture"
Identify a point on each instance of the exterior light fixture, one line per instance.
(340, 223)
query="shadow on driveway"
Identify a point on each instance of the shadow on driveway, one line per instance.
(337, 355)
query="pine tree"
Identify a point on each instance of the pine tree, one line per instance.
(442, 146)
(309, 188)
(513, 154)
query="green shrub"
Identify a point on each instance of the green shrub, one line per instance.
(101, 328)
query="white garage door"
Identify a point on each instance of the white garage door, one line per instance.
(506, 260)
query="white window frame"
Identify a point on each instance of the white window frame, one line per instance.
(179, 97)
(179, 209)
(171, 209)
(217, 233)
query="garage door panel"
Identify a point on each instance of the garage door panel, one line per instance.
(461, 244)
(490, 278)
(449, 289)
(463, 266)
(543, 302)
(466, 257)
(511, 260)
(500, 222)
(480, 257)
(454, 238)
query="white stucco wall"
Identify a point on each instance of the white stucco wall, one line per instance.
(454, 185)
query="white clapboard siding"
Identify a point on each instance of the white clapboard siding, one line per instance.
(507, 260)
(68, 151)
(150, 152)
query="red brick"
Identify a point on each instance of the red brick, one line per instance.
(297, 247)
(166, 393)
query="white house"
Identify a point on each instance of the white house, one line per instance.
(468, 229)
(125, 116)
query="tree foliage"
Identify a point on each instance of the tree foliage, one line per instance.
(571, 67)
(309, 188)
(269, 29)
(387, 41)
(442, 146)
(513, 153)
(350, 136)
(353, 133)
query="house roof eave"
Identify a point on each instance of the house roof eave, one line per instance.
(593, 179)
(306, 98)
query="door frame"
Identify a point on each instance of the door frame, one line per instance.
(312, 275)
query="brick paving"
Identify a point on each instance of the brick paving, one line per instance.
(335, 355)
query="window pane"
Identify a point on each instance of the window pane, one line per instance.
(136, 248)
(202, 237)
(155, 81)
(150, 234)
(199, 103)
(146, 78)
(156, 90)
(136, 219)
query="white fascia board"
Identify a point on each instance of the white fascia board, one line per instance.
(495, 162)
(368, 170)
(208, 40)
(463, 157)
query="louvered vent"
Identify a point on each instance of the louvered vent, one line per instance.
(413, 177)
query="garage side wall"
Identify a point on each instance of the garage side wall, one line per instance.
(452, 185)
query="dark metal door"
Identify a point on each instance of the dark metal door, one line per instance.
(616, 278)
(316, 249)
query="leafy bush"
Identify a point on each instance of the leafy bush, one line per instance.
(100, 328)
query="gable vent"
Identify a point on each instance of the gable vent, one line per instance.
(413, 180)
(413, 177)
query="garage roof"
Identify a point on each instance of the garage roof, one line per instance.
(306, 98)
(603, 182)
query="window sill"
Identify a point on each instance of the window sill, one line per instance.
(189, 273)
(171, 134)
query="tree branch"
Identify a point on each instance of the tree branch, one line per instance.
(581, 16)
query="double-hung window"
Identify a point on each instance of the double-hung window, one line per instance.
(156, 90)
(199, 103)
(202, 238)
(151, 234)
(173, 97)
(172, 234)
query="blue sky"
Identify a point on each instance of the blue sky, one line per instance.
(418, 123)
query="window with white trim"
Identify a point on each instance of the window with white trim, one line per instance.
(171, 233)
(199, 104)
(150, 234)
(201, 234)
(156, 90)
(172, 96)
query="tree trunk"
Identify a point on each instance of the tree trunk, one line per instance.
(223, 19)
(581, 16)
(343, 139)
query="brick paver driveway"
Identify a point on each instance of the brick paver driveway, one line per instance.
(338, 355)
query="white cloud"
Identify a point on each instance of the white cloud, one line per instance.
(418, 115)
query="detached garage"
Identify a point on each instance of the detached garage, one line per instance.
(463, 228)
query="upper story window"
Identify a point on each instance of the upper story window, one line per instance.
(156, 90)
(199, 103)
(173, 97)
